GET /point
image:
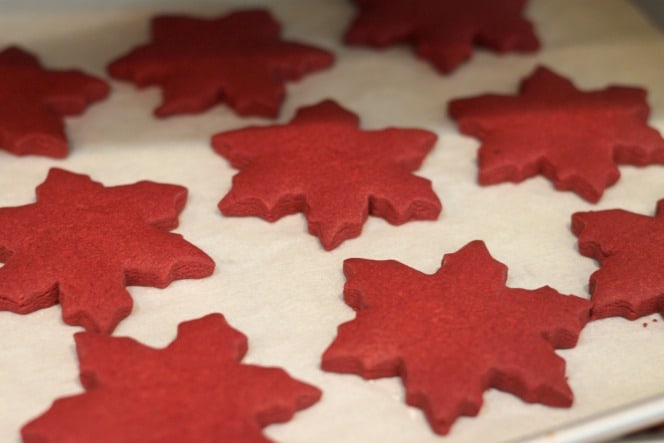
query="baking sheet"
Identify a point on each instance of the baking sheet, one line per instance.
(273, 281)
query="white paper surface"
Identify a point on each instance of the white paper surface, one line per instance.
(273, 281)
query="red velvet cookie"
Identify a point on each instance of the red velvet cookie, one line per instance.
(454, 334)
(630, 250)
(443, 32)
(196, 389)
(34, 102)
(324, 165)
(81, 243)
(574, 138)
(238, 58)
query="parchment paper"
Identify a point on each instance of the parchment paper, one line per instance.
(273, 281)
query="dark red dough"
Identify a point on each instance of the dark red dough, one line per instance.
(575, 138)
(238, 58)
(323, 165)
(443, 32)
(81, 243)
(454, 334)
(34, 102)
(630, 250)
(193, 390)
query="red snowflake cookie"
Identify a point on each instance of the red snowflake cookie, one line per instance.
(630, 250)
(454, 334)
(323, 165)
(34, 102)
(575, 138)
(238, 58)
(443, 32)
(81, 243)
(195, 389)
